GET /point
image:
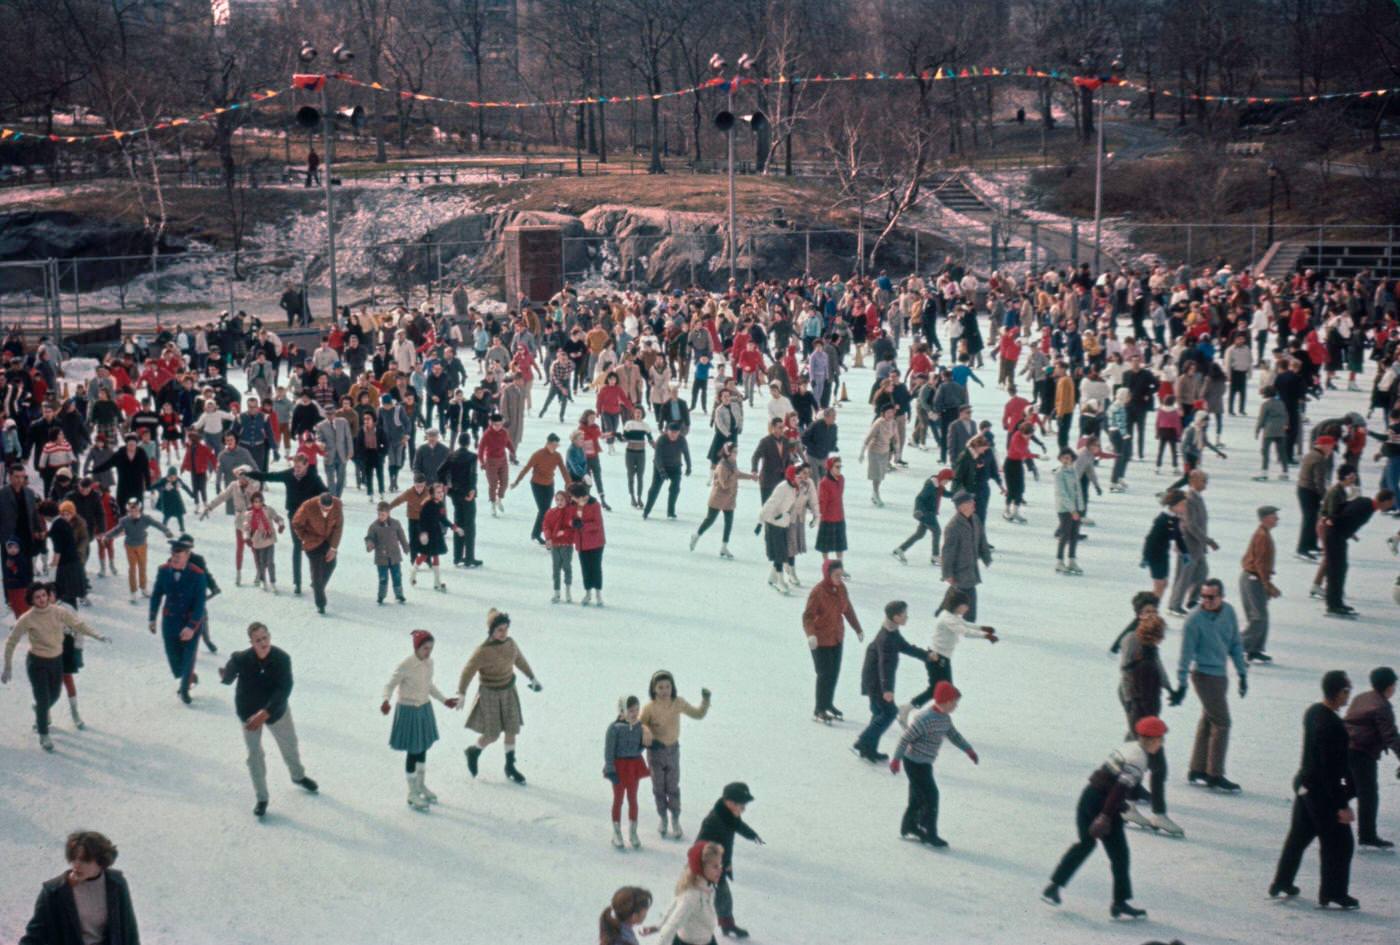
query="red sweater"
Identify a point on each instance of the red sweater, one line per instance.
(830, 507)
(494, 444)
(558, 527)
(613, 400)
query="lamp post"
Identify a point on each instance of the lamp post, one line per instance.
(341, 55)
(725, 121)
(1095, 83)
(1273, 182)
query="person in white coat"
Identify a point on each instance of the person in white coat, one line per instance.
(775, 516)
(415, 727)
(691, 919)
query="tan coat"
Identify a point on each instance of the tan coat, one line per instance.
(724, 485)
(495, 661)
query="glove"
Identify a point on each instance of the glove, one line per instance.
(1244, 687)
(1177, 697)
(1185, 558)
(384, 707)
(895, 765)
(452, 703)
(1099, 828)
(611, 776)
(1141, 564)
(704, 693)
(811, 643)
(535, 685)
(972, 754)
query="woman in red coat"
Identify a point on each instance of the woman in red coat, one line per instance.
(588, 524)
(831, 511)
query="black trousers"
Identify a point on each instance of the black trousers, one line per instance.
(1115, 844)
(1238, 385)
(710, 516)
(827, 662)
(544, 498)
(941, 671)
(1309, 503)
(1363, 782)
(1336, 554)
(46, 680)
(921, 810)
(296, 557)
(321, 571)
(591, 564)
(659, 474)
(464, 517)
(1315, 818)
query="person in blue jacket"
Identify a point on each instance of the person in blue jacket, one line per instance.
(181, 586)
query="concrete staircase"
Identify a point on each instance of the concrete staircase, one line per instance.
(953, 193)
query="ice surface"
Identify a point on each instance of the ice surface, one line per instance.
(500, 863)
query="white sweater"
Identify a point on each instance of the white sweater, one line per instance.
(948, 629)
(414, 680)
(691, 917)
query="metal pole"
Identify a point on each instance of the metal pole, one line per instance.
(437, 257)
(807, 252)
(1272, 182)
(77, 298)
(229, 277)
(1188, 246)
(1035, 247)
(1253, 242)
(327, 143)
(916, 252)
(1074, 243)
(155, 284)
(733, 226)
(1098, 184)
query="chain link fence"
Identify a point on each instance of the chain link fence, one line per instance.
(72, 295)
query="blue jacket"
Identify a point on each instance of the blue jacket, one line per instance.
(183, 594)
(1208, 640)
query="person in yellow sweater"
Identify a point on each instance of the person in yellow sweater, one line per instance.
(661, 720)
(45, 623)
(1065, 396)
(496, 709)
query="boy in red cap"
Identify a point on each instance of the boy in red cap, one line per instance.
(926, 514)
(1099, 816)
(916, 752)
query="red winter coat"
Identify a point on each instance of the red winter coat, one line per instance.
(613, 400)
(199, 458)
(558, 527)
(588, 524)
(829, 505)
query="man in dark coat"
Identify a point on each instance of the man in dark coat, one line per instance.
(1347, 522)
(1322, 793)
(1371, 731)
(19, 513)
(181, 586)
(263, 674)
(723, 821)
(133, 470)
(964, 545)
(303, 483)
(105, 913)
(877, 677)
(458, 473)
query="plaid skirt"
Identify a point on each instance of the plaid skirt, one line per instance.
(415, 728)
(831, 536)
(496, 712)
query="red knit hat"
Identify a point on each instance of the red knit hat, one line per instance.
(694, 856)
(791, 475)
(1327, 441)
(1150, 727)
(944, 475)
(419, 638)
(945, 692)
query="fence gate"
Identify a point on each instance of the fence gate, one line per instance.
(29, 296)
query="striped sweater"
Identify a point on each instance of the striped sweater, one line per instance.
(924, 737)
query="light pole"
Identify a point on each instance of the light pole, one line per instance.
(725, 122)
(1273, 182)
(341, 55)
(1095, 84)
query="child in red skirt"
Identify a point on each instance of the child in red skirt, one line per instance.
(623, 765)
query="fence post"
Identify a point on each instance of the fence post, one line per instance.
(1320, 273)
(994, 231)
(77, 297)
(807, 252)
(916, 251)
(1035, 248)
(1074, 244)
(1188, 246)
(1253, 244)
(748, 239)
(228, 280)
(437, 261)
(155, 274)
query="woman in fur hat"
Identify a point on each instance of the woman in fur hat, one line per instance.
(415, 727)
(496, 709)
(662, 718)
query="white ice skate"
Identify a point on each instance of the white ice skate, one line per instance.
(568, 594)
(898, 554)
(632, 837)
(617, 837)
(423, 791)
(694, 540)
(45, 743)
(415, 800)
(724, 552)
(555, 598)
(1165, 825)
(1131, 815)
(73, 711)
(775, 581)
(790, 573)
(587, 599)
(676, 831)
(665, 828)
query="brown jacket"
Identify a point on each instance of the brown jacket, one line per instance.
(542, 465)
(828, 607)
(316, 529)
(1259, 556)
(495, 661)
(1370, 723)
(413, 500)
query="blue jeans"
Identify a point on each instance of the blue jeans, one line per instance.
(386, 571)
(1390, 476)
(882, 715)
